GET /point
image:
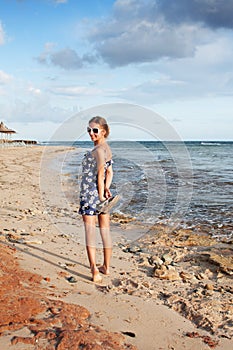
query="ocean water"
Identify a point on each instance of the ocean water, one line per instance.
(187, 184)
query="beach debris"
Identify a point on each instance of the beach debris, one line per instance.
(121, 218)
(225, 263)
(117, 282)
(206, 339)
(155, 260)
(196, 275)
(186, 276)
(129, 334)
(13, 238)
(135, 249)
(72, 279)
(167, 258)
(166, 273)
(200, 276)
(62, 265)
(144, 260)
(104, 289)
(209, 286)
(34, 241)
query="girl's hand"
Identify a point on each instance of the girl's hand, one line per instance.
(102, 198)
(107, 193)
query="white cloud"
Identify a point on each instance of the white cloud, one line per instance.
(73, 91)
(2, 35)
(144, 31)
(34, 109)
(34, 91)
(207, 74)
(152, 92)
(147, 31)
(29, 103)
(212, 13)
(66, 58)
(48, 49)
(147, 42)
(217, 52)
(61, 1)
(5, 78)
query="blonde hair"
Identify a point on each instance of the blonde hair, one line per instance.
(102, 122)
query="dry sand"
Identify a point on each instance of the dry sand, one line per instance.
(45, 231)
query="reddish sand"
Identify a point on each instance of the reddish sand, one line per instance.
(53, 324)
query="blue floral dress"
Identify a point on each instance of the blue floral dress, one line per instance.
(89, 196)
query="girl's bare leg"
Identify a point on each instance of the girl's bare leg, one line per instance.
(90, 237)
(104, 224)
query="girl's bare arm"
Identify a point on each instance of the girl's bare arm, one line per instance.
(99, 154)
(108, 181)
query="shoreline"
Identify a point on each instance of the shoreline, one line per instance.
(48, 237)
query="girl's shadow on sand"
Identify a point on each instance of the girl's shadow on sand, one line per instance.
(15, 244)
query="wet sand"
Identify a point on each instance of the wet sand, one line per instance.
(167, 289)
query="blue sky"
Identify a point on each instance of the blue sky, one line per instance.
(59, 57)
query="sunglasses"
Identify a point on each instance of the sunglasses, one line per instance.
(94, 130)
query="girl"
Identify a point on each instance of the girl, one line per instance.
(95, 191)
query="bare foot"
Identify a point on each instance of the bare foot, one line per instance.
(96, 276)
(104, 270)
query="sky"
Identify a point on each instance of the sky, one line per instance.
(59, 58)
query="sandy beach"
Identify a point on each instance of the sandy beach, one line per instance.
(175, 294)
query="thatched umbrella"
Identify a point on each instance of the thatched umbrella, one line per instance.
(5, 131)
